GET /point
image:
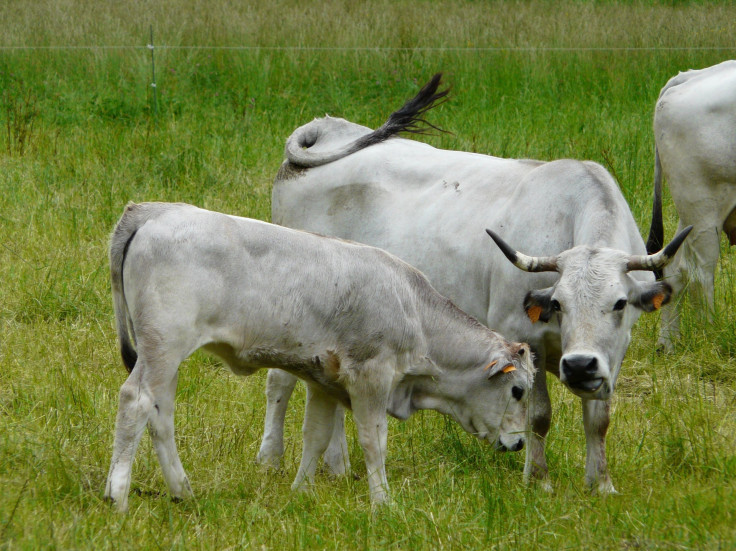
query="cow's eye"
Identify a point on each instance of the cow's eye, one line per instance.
(620, 304)
(555, 305)
(517, 392)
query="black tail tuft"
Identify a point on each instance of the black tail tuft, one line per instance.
(129, 357)
(409, 117)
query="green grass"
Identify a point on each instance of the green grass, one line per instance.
(79, 139)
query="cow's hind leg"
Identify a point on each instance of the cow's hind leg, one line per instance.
(279, 386)
(161, 428)
(540, 415)
(137, 405)
(693, 268)
(596, 417)
(319, 419)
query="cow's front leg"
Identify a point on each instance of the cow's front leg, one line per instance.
(319, 419)
(279, 386)
(596, 416)
(540, 416)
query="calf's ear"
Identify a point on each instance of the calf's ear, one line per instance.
(538, 305)
(651, 296)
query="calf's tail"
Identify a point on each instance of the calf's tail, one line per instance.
(655, 241)
(122, 236)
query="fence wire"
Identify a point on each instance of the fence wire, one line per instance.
(389, 49)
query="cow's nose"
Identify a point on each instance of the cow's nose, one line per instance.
(581, 372)
(579, 365)
(500, 446)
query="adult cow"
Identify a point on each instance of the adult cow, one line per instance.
(359, 325)
(695, 150)
(431, 207)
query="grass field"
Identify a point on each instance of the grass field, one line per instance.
(81, 136)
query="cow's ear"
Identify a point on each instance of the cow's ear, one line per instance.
(538, 304)
(651, 296)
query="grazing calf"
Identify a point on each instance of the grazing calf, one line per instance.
(360, 326)
(431, 207)
(695, 150)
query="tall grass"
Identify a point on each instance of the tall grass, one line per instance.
(91, 142)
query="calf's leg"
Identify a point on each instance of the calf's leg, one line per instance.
(369, 392)
(319, 419)
(336, 456)
(145, 395)
(279, 386)
(161, 428)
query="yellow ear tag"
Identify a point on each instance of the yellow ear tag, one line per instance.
(534, 312)
(509, 368)
(490, 365)
(657, 301)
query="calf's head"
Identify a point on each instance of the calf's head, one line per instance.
(595, 302)
(490, 401)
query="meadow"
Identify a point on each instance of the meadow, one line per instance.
(82, 134)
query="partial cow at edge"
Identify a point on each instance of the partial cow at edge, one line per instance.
(695, 151)
(361, 327)
(588, 281)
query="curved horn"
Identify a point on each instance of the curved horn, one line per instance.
(522, 261)
(658, 260)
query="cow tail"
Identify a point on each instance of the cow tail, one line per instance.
(655, 241)
(122, 236)
(410, 116)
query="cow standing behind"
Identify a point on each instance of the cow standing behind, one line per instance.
(431, 208)
(361, 327)
(695, 150)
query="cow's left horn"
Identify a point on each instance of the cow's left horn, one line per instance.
(522, 261)
(658, 260)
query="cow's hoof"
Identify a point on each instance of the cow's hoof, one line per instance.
(268, 461)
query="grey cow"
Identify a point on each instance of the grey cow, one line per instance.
(431, 207)
(361, 327)
(695, 149)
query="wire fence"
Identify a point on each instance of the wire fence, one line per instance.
(389, 48)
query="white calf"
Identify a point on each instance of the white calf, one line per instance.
(361, 327)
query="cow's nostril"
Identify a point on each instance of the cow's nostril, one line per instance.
(518, 446)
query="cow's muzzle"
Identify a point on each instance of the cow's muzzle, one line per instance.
(516, 446)
(584, 375)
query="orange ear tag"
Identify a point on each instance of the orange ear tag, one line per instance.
(657, 301)
(534, 312)
(509, 368)
(490, 365)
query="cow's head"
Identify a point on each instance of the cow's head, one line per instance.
(596, 302)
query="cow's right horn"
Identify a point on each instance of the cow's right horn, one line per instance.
(522, 261)
(658, 260)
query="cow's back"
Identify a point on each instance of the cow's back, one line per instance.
(694, 127)
(430, 207)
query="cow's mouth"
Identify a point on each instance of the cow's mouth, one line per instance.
(588, 385)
